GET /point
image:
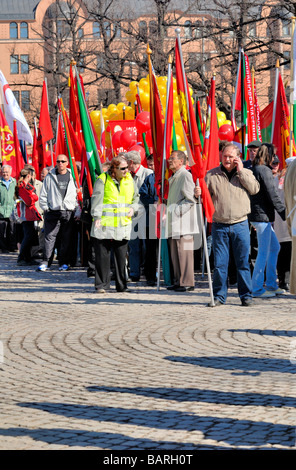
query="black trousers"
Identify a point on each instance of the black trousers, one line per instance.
(58, 223)
(102, 250)
(30, 239)
(150, 264)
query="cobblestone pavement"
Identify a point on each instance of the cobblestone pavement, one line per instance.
(149, 369)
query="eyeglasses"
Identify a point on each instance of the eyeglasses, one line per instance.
(61, 161)
(123, 168)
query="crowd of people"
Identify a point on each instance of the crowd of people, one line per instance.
(113, 232)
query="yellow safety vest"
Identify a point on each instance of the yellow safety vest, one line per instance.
(116, 204)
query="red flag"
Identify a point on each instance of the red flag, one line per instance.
(60, 145)
(211, 143)
(19, 160)
(45, 132)
(281, 124)
(157, 129)
(74, 114)
(7, 145)
(198, 170)
(35, 160)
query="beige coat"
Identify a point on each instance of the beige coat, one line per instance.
(231, 199)
(290, 201)
(181, 205)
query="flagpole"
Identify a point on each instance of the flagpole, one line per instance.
(277, 71)
(164, 161)
(178, 31)
(50, 142)
(292, 88)
(242, 103)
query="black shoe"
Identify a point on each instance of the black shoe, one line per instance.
(247, 302)
(184, 289)
(217, 303)
(151, 283)
(174, 287)
(126, 289)
(134, 279)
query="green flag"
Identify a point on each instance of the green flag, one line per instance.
(89, 140)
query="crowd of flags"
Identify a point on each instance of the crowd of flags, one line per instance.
(76, 137)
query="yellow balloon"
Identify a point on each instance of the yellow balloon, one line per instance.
(228, 122)
(113, 117)
(133, 86)
(220, 121)
(129, 113)
(130, 96)
(143, 83)
(162, 90)
(145, 100)
(120, 106)
(112, 108)
(221, 115)
(183, 148)
(95, 116)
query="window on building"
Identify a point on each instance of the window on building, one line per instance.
(286, 27)
(198, 28)
(252, 30)
(24, 63)
(287, 59)
(63, 28)
(153, 28)
(96, 30)
(107, 28)
(101, 62)
(187, 30)
(24, 30)
(117, 29)
(80, 33)
(13, 31)
(17, 95)
(143, 29)
(14, 64)
(25, 100)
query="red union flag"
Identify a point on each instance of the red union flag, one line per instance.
(7, 145)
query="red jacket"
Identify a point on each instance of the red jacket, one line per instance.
(26, 208)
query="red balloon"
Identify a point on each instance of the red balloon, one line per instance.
(128, 139)
(116, 140)
(141, 150)
(226, 132)
(143, 122)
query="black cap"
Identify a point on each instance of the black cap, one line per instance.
(255, 143)
(275, 159)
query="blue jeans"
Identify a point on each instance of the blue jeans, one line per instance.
(239, 236)
(268, 250)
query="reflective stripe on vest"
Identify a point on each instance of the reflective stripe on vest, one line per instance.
(116, 203)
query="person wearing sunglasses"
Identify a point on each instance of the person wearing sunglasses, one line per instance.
(58, 200)
(113, 204)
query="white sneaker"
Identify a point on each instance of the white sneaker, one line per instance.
(279, 291)
(42, 267)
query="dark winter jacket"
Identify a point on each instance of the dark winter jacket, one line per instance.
(267, 200)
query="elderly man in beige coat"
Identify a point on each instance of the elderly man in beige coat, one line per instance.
(290, 201)
(181, 222)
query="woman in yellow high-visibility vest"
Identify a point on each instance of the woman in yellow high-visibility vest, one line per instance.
(113, 204)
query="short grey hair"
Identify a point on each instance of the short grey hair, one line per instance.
(233, 146)
(7, 166)
(133, 156)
